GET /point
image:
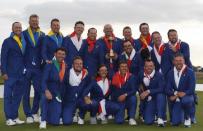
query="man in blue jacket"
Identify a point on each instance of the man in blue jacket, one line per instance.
(33, 61)
(13, 72)
(180, 90)
(52, 41)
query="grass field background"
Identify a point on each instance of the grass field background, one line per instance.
(109, 127)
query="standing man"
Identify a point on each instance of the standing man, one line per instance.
(73, 42)
(109, 48)
(180, 90)
(90, 52)
(52, 41)
(33, 61)
(13, 72)
(145, 38)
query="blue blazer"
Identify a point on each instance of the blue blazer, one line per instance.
(12, 59)
(33, 53)
(186, 84)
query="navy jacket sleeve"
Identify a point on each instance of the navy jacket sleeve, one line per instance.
(4, 56)
(191, 83)
(45, 77)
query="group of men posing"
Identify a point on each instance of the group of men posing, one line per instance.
(104, 76)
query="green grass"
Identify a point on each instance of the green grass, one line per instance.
(199, 77)
(109, 127)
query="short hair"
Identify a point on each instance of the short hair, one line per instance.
(100, 66)
(145, 53)
(126, 27)
(54, 20)
(79, 22)
(142, 25)
(77, 58)
(15, 23)
(149, 60)
(171, 30)
(91, 29)
(122, 62)
(33, 16)
(61, 49)
(127, 41)
(155, 32)
(178, 54)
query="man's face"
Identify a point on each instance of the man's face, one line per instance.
(92, 34)
(17, 29)
(149, 67)
(127, 46)
(173, 37)
(60, 55)
(77, 65)
(79, 28)
(55, 26)
(178, 62)
(108, 31)
(103, 72)
(34, 22)
(127, 33)
(144, 30)
(157, 39)
(123, 68)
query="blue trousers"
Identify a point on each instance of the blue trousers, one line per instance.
(181, 110)
(50, 110)
(13, 92)
(155, 107)
(32, 77)
(130, 104)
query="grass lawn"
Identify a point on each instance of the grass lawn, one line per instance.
(108, 127)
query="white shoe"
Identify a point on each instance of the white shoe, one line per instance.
(10, 122)
(61, 121)
(18, 121)
(93, 120)
(110, 117)
(160, 122)
(75, 118)
(43, 125)
(187, 123)
(132, 122)
(29, 120)
(80, 121)
(35, 117)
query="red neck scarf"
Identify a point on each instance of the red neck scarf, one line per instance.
(73, 34)
(106, 41)
(160, 49)
(118, 81)
(145, 40)
(91, 44)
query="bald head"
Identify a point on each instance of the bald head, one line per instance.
(108, 30)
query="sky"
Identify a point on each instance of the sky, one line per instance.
(185, 16)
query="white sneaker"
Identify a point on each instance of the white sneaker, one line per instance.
(110, 117)
(43, 125)
(93, 120)
(160, 122)
(187, 123)
(61, 121)
(29, 120)
(35, 117)
(132, 122)
(75, 119)
(10, 122)
(18, 121)
(80, 121)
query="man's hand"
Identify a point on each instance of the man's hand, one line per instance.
(87, 100)
(48, 61)
(144, 94)
(173, 98)
(48, 95)
(5, 77)
(122, 98)
(181, 94)
(173, 48)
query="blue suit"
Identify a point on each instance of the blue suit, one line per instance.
(12, 64)
(103, 50)
(138, 44)
(90, 59)
(33, 63)
(130, 87)
(73, 99)
(72, 51)
(49, 46)
(51, 110)
(157, 105)
(187, 85)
